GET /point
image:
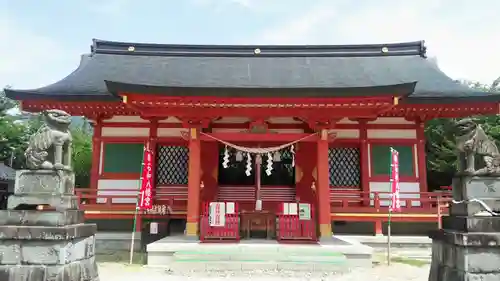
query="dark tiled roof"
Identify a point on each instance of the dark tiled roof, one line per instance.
(7, 173)
(155, 67)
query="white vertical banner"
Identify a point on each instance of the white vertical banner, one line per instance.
(230, 208)
(217, 214)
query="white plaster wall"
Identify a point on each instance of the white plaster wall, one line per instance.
(391, 120)
(170, 119)
(124, 132)
(392, 134)
(415, 158)
(404, 187)
(241, 130)
(369, 160)
(346, 133)
(101, 157)
(288, 131)
(283, 120)
(232, 120)
(109, 187)
(170, 132)
(228, 130)
(125, 119)
(346, 121)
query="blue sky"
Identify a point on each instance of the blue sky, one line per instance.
(41, 41)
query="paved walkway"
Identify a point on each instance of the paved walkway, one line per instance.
(396, 272)
(382, 240)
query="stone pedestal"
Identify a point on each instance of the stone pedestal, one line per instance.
(46, 245)
(468, 246)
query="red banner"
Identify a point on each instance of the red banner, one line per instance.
(146, 201)
(395, 200)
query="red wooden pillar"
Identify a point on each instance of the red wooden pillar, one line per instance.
(421, 159)
(323, 187)
(365, 162)
(96, 157)
(194, 173)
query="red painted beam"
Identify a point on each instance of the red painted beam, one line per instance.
(271, 126)
(249, 137)
(94, 109)
(256, 113)
(158, 99)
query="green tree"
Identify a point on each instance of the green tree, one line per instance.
(82, 154)
(441, 155)
(16, 129)
(13, 135)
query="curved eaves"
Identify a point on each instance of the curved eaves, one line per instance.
(70, 88)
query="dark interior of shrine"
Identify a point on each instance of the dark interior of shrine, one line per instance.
(282, 174)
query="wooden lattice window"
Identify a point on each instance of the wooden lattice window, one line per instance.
(172, 162)
(344, 167)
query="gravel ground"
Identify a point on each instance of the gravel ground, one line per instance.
(396, 272)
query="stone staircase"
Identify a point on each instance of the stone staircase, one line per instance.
(257, 256)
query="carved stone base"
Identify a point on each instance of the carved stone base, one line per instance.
(43, 253)
(82, 270)
(468, 187)
(61, 202)
(485, 188)
(41, 218)
(50, 182)
(458, 256)
(472, 224)
(472, 208)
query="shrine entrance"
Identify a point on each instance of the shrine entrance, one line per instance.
(256, 192)
(282, 173)
(259, 184)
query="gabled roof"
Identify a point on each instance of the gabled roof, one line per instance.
(196, 69)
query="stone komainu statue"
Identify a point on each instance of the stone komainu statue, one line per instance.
(472, 141)
(50, 146)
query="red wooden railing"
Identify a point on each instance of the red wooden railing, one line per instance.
(346, 205)
(229, 232)
(291, 228)
(341, 202)
(376, 202)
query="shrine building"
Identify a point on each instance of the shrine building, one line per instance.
(259, 126)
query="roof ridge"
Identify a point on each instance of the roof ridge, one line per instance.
(416, 48)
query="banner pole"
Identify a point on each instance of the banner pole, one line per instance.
(390, 211)
(389, 238)
(136, 211)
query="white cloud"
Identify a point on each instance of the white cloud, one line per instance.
(456, 31)
(29, 60)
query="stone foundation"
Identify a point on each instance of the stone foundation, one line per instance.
(468, 247)
(38, 245)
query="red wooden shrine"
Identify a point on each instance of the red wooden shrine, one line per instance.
(347, 103)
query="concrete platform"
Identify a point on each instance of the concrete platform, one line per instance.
(379, 241)
(180, 255)
(120, 241)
